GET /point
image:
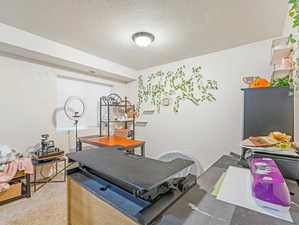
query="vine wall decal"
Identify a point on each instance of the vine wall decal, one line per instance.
(176, 85)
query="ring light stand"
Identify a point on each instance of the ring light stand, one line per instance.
(75, 113)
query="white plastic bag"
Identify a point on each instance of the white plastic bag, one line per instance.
(6, 154)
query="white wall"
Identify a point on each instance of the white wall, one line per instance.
(212, 129)
(22, 43)
(28, 101)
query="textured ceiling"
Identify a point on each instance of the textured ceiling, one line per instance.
(182, 28)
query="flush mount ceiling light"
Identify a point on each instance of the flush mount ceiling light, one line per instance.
(143, 39)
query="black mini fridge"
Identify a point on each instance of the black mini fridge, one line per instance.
(265, 110)
(268, 109)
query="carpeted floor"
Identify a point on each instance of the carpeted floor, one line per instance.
(45, 207)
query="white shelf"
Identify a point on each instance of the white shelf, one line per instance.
(282, 70)
(280, 41)
(279, 52)
(280, 48)
(148, 111)
(141, 122)
(280, 74)
(116, 121)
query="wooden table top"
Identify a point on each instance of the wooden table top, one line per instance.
(115, 141)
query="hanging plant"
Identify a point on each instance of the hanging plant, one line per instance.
(177, 85)
(293, 38)
(294, 12)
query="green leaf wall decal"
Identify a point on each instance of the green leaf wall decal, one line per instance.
(177, 85)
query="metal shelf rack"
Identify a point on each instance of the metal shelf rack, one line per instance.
(108, 104)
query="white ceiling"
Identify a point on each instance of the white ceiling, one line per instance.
(183, 28)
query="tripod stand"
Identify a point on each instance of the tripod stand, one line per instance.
(76, 119)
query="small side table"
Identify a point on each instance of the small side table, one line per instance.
(20, 188)
(44, 181)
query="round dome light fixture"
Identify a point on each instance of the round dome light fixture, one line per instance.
(143, 39)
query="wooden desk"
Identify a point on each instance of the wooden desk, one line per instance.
(84, 208)
(114, 141)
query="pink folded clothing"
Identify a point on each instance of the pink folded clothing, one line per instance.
(11, 168)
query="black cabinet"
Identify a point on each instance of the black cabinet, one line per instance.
(268, 109)
(265, 110)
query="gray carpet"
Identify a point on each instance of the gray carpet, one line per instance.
(45, 207)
